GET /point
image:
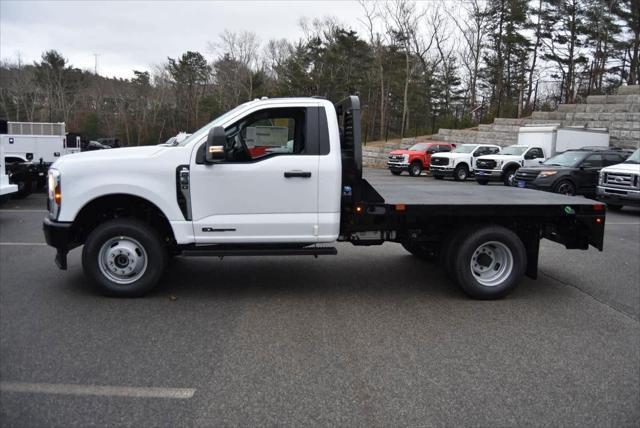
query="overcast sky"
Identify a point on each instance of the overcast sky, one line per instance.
(135, 35)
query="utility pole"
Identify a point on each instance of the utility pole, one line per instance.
(95, 63)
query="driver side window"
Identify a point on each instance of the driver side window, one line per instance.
(266, 133)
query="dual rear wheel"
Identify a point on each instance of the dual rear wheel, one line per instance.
(486, 262)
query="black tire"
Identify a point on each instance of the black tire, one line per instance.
(614, 207)
(421, 251)
(438, 177)
(461, 173)
(24, 189)
(471, 249)
(565, 187)
(415, 169)
(395, 172)
(450, 247)
(482, 182)
(509, 177)
(152, 246)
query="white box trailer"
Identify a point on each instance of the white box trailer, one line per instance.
(554, 138)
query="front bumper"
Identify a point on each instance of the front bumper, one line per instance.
(488, 174)
(398, 166)
(58, 235)
(619, 196)
(444, 171)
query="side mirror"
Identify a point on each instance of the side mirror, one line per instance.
(586, 165)
(540, 162)
(431, 150)
(214, 150)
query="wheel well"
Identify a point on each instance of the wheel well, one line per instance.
(510, 166)
(464, 164)
(113, 206)
(417, 160)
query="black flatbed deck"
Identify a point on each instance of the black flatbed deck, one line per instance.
(431, 194)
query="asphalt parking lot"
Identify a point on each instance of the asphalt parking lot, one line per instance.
(373, 337)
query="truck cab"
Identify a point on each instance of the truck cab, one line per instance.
(416, 158)
(503, 166)
(461, 162)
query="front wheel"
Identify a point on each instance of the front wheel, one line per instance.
(461, 173)
(489, 262)
(509, 177)
(124, 257)
(415, 169)
(565, 187)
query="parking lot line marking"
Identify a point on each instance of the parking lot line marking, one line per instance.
(101, 391)
(8, 244)
(23, 211)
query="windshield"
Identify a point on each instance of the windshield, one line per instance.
(634, 158)
(200, 133)
(568, 159)
(465, 148)
(420, 147)
(514, 150)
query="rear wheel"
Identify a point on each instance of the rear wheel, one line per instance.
(415, 169)
(509, 177)
(489, 262)
(565, 187)
(461, 173)
(483, 182)
(124, 257)
(395, 172)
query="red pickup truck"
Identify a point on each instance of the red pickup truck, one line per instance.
(416, 158)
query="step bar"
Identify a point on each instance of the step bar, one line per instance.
(227, 251)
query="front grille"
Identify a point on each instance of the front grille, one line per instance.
(526, 175)
(621, 180)
(486, 164)
(439, 161)
(396, 158)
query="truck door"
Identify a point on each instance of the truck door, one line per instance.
(589, 169)
(533, 156)
(266, 190)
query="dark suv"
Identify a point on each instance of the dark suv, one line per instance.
(574, 172)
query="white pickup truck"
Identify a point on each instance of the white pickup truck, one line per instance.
(503, 166)
(461, 162)
(284, 177)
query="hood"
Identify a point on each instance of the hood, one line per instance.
(115, 155)
(539, 168)
(500, 157)
(451, 155)
(632, 168)
(405, 152)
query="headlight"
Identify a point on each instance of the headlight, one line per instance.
(544, 174)
(54, 193)
(500, 163)
(405, 158)
(450, 161)
(600, 177)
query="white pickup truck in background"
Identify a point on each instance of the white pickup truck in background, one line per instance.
(619, 185)
(460, 163)
(503, 166)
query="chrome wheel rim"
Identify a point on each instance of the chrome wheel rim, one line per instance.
(122, 260)
(416, 170)
(462, 174)
(491, 263)
(511, 178)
